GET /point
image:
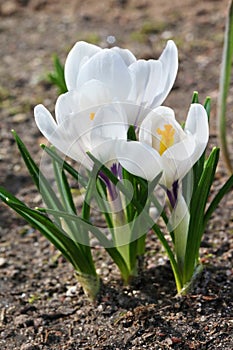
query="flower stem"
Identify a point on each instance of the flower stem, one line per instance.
(89, 283)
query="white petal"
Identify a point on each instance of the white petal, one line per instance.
(109, 68)
(109, 126)
(125, 54)
(153, 79)
(52, 132)
(110, 122)
(135, 113)
(77, 56)
(44, 121)
(178, 160)
(93, 93)
(104, 151)
(157, 118)
(145, 76)
(138, 159)
(169, 62)
(197, 124)
(71, 136)
(66, 105)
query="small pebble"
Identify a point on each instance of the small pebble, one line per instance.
(29, 347)
(71, 292)
(8, 8)
(2, 262)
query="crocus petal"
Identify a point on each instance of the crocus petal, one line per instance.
(108, 67)
(44, 120)
(109, 126)
(93, 93)
(156, 119)
(71, 137)
(169, 61)
(187, 146)
(138, 159)
(145, 76)
(135, 112)
(110, 122)
(197, 124)
(66, 105)
(53, 133)
(105, 151)
(153, 79)
(178, 160)
(78, 55)
(125, 54)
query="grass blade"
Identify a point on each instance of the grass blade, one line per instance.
(219, 196)
(40, 181)
(39, 221)
(198, 204)
(107, 244)
(225, 78)
(53, 154)
(56, 235)
(57, 77)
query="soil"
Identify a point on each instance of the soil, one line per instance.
(42, 306)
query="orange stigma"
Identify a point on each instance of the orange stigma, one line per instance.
(92, 116)
(167, 139)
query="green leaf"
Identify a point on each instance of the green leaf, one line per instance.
(197, 209)
(53, 154)
(81, 251)
(219, 196)
(53, 233)
(195, 97)
(40, 181)
(207, 106)
(106, 243)
(73, 231)
(174, 265)
(225, 79)
(57, 77)
(145, 217)
(63, 188)
(101, 189)
(131, 135)
(69, 248)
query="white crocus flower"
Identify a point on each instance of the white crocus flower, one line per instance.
(95, 76)
(162, 142)
(161, 139)
(90, 130)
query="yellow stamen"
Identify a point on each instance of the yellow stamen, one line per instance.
(92, 116)
(167, 139)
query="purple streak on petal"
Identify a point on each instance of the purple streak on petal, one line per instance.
(175, 187)
(173, 193)
(116, 169)
(108, 184)
(171, 198)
